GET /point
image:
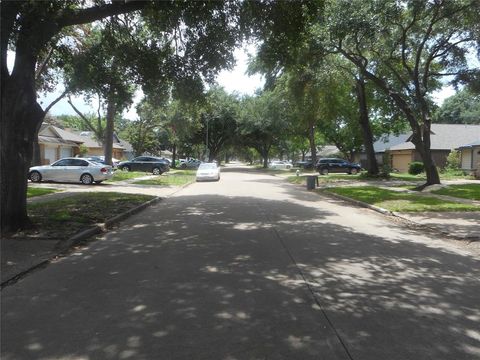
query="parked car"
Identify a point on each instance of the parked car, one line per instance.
(208, 171)
(334, 165)
(307, 164)
(157, 166)
(71, 170)
(190, 164)
(101, 160)
(279, 165)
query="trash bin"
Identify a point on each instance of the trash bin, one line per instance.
(312, 180)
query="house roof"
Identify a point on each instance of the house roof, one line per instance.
(54, 135)
(387, 141)
(90, 142)
(471, 145)
(446, 137)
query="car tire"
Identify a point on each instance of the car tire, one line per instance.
(183, 166)
(353, 171)
(86, 179)
(35, 176)
(156, 171)
(323, 171)
(125, 168)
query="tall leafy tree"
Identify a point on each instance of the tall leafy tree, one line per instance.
(202, 34)
(217, 118)
(461, 108)
(263, 122)
(405, 49)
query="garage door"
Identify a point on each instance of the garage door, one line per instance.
(401, 162)
(65, 152)
(50, 155)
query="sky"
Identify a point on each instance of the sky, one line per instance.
(235, 80)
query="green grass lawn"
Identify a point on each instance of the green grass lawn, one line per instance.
(61, 218)
(172, 178)
(466, 191)
(126, 175)
(323, 178)
(400, 201)
(32, 192)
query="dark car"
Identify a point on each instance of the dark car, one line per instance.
(334, 165)
(156, 166)
(306, 164)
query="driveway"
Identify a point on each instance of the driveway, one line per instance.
(251, 268)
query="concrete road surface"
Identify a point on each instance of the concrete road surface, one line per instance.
(251, 268)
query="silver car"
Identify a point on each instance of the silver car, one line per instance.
(208, 171)
(71, 170)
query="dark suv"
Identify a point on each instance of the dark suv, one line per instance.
(157, 166)
(334, 165)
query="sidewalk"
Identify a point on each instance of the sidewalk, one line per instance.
(21, 255)
(463, 225)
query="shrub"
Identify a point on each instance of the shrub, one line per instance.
(82, 150)
(415, 168)
(453, 160)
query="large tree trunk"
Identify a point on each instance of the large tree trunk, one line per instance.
(421, 140)
(18, 103)
(108, 140)
(372, 166)
(174, 155)
(313, 146)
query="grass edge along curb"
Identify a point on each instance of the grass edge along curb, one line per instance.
(77, 238)
(358, 202)
(399, 216)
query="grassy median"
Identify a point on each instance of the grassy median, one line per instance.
(61, 218)
(32, 191)
(400, 201)
(172, 178)
(465, 191)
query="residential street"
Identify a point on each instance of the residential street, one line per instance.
(251, 267)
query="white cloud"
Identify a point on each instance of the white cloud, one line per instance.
(237, 80)
(439, 96)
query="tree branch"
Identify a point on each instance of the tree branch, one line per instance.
(84, 118)
(47, 109)
(83, 16)
(43, 65)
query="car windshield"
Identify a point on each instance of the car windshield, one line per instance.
(208, 166)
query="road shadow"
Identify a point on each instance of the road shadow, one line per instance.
(216, 277)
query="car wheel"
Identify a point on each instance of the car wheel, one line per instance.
(353, 171)
(86, 179)
(125, 168)
(35, 176)
(183, 166)
(156, 171)
(324, 172)
(218, 179)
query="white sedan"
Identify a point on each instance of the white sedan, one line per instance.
(208, 171)
(279, 165)
(71, 170)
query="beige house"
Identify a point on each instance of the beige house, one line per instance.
(95, 148)
(470, 157)
(55, 143)
(444, 138)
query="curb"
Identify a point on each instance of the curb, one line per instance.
(360, 203)
(397, 215)
(78, 237)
